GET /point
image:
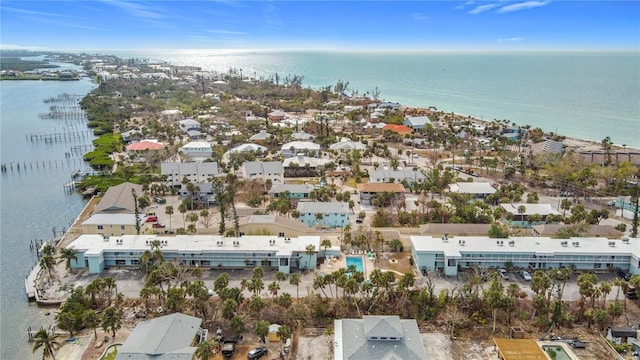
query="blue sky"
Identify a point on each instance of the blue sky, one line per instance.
(340, 25)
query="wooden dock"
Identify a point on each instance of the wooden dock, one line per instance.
(30, 283)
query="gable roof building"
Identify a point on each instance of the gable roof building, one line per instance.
(195, 172)
(115, 212)
(417, 122)
(385, 176)
(263, 135)
(119, 199)
(294, 147)
(263, 170)
(164, 338)
(476, 189)
(378, 337)
(346, 145)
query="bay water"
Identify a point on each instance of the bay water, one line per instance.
(33, 199)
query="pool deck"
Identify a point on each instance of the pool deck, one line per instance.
(567, 349)
(329, 266)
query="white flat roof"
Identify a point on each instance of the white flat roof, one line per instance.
(530, 209)
(473, 188)
(543, 246)
(95, 244)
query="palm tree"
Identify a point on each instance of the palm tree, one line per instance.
(169, 211)
(68, 254)
(204, 351)
(48, 341)
(47, 262)
(111, 320)
(294, 279)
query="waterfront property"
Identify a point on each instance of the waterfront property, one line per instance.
(115, 212)
(378, 337)
(96, 253)
(451, 254)
(416, 122)
(324, 214)
(170, 336)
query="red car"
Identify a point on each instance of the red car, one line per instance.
(152, 218)
(158, 225)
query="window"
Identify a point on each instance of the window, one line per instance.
(120, 262)
(280, 234)
(121, 227)
(100, 227)
(597, 265)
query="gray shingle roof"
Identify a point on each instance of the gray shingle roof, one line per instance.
(355, 345)
(189, 168)
(263, 167)
(166, 337)
(119, 199)
(291, 188)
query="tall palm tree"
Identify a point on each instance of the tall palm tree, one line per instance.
(48, 341)
(169, 211)
(294, 279)
(68, 254)
(204, 351)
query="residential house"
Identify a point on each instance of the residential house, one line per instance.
(131, 135)
(197, 173)
(302, 136)
(451, 254)
(144, 146)
(292, 191)
(400, 129)
(196, 150)
(96, 253)
(261, 137)
(294, 148)
(276, 115)
(170, 115)
(115, 212)
(172, 337)
(377, 337)
(369, 191)
(398, 176)
(521, 218)
(324, 214)
(272, 224)
(188, 124)
(476, 190)
(263, 171)
(416, 122)
(301, 161)
(345, 145)
(248, 148)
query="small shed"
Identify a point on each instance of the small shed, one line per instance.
(273, 333)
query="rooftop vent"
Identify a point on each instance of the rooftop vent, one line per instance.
(625, 240)
(287, 240)
(499, 242)
(576, 243)
(564, 243)
(461, 242)
(512, 243)
(612, 243)
(272, 242)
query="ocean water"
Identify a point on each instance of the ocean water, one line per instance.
(32, 200)
(587, 95)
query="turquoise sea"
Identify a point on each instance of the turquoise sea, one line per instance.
(587, 95)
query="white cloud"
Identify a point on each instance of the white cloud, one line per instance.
(419, 16)
(522, 6)
(136, 9)
(481, 8)
(226, 32)
(512, 39)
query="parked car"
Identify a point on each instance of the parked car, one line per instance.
(152, 218)
(503, 274)
(630, 292)
(578, 344)
(158, 225)
(257, 353)
(623, 275)
(525, 275)
(160, 200)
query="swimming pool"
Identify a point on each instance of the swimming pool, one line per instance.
(559, 351)
(357, 261)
